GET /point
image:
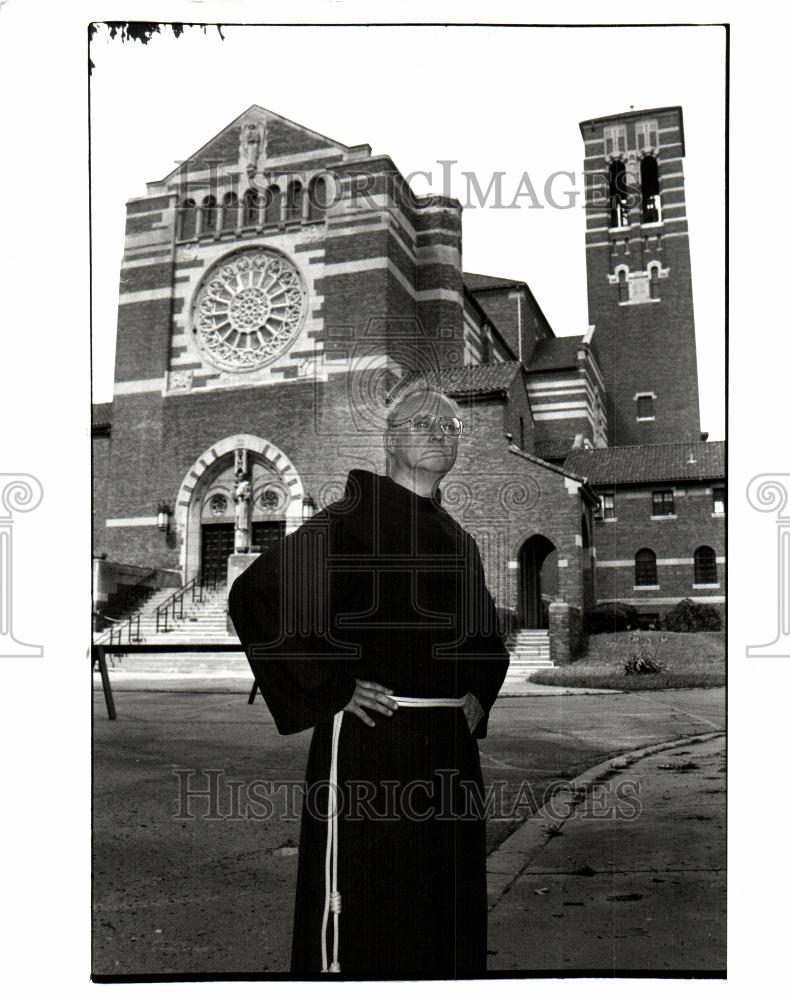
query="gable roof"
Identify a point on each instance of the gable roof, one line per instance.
(555, 352)
(480, 282)
(646, 463)
(217, 148)
(553, 449)
(464, 380)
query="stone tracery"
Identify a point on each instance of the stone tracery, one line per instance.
(250, 309)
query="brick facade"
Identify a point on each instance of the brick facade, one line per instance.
(674, 539)
(638, 327)
(669, 499)
(383, 299)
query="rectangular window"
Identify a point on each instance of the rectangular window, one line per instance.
(614, 139)
(607, 506)
(645, 407)
(647, 135)
(719, 499)
(663, 503)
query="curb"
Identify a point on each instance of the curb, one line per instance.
(552, 691)
(514, 855)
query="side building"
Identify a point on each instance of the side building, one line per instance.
(660, 528)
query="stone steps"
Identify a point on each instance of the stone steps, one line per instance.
(529, 651)
(204, 620)
(195, 664)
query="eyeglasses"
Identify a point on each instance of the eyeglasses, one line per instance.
(425, 423)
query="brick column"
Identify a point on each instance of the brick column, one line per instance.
(567, 640)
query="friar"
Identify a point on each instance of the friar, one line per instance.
(372, 624)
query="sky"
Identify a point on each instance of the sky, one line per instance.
(441, 101)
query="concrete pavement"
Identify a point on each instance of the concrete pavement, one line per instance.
(623, 872)
(214, 895)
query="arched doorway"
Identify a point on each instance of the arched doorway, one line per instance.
(538, 580)
(207, 503)
(217, 503)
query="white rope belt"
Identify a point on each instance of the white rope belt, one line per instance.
(428, 702)
(332, 901)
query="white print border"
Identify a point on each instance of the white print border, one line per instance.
(20, 492)
(768, 492)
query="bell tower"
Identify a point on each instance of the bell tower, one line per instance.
(639, 292)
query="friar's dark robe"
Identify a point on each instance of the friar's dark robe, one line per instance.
(382, 586)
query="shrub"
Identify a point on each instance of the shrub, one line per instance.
(640, 662)
(687, 616)
(611, 617)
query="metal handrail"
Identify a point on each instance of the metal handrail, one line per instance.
(114, 634)
(131, 623)
(166, 611)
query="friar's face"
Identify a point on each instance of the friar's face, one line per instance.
(421, 439)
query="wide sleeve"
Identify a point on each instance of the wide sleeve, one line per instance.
(485, 657)
(280, 608)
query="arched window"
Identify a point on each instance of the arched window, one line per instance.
(230, 213)
(316, 197)
(705, 565)
(188, 219)
(293, 208)
(208, 221)
(654, 282)
(272, 212)
(618, 195)
(645, 565)
(622, 285)
(651, 202)
(252, 204)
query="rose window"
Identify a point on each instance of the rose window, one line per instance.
(218, 505)
(249, 310)
(271, 498)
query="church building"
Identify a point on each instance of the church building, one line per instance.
(279, 288)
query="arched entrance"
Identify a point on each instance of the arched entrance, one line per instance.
(206, 509)
(538, 580)
(217, 501)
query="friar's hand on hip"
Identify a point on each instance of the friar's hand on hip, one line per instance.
(373, 697)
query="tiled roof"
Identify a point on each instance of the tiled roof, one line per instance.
(101, 415)
(643, 463)
(554, 352)
(553, 449)
(464, 379)
(479, 282)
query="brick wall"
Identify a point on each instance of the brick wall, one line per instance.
(100, 448)
(501, 304)
(635, 340)
(617, 541)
